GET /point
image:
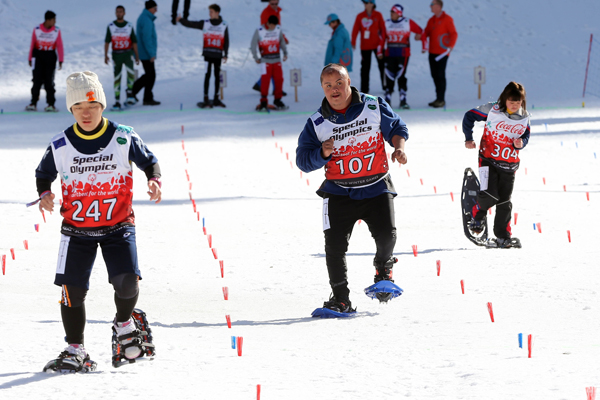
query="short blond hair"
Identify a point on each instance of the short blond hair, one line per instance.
(333, 67)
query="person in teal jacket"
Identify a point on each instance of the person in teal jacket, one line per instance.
(147, 45)
(339, 49)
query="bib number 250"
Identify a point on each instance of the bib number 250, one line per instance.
(355, 164)
(93, 210)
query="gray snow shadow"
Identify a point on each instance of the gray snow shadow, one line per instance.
(37, 377)
(562, 133)
(322, 255)
(564, 120)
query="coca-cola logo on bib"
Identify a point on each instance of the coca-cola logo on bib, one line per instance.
(516, 129)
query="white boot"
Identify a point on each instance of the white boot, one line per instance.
(122, 329)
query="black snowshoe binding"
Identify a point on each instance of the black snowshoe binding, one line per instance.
(384, 288)
(500, 243)
(218, 103)
(68, 362)
(142, 338)
(279, 105)
(476, 231)
(339, 306)
(205, 104)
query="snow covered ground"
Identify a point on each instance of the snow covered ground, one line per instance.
(265, 224)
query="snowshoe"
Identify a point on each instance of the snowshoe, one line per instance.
(31, 107)
(500, 243)
(73, 359)
(140, 338)
(218, 103)
(404, 105)
(51, 108)
(334, 308)
(132, 100)
(470, 189)
(279, 105)
(384, 291)
(116, 107)
(263, 106)
(204, 104)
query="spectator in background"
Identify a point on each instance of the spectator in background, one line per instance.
(439, 37)
(46, 43)
(216, 44)
(124, 45)
(396, 47)
(175, 6)
(147, 45)
(266, 46)
(339, 48)
(371, 26)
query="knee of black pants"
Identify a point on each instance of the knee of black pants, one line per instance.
(72, 296)
(126, 285)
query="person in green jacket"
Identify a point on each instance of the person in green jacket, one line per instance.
(339, 48)
(124, 45)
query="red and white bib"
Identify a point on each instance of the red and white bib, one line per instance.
(46, 41)
(97, 188)
(498, 135)
(121, 37)
(359, 158)
(268, 42)
(214, 35)
(398, 33)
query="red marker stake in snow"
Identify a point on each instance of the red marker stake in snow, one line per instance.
(215, 253)
(439, 266)
(421, 181)
(539, 227)
(407, 171)
(462, 286)
(516, 215)
(452, 196)
(300, 174)
(3, 264)
(190, 185)
(276, 145)
(565, 188)
(491, 311)
(182, 129)
(228, 318)
(44, 215)
(587, 195)
(569, 235)
(590, 392)
(529, 345)
(307, 182)
(240, 341)
(26, 245)
(210, 241)
(272, 132)
(544, 179)
(12, 253)
(37, 227)
(414, 247)
(222, 268)
(434, 190)
(225, 292)
(257, 392)
(287, 156)
(198, 213)
(182, 144)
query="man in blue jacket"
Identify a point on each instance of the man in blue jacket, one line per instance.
(147, 45)
(347, 136)
(339, 48)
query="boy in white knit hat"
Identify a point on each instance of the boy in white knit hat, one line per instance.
(93, 158)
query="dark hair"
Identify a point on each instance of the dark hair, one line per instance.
(513, 91)
(440, 2)
(49, 15)
(273, 20)
(331, 68)
(215, 7)
(120, 7)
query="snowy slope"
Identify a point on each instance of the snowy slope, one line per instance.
(265, 224)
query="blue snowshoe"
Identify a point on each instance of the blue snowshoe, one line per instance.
(384, 288)
(334, 308)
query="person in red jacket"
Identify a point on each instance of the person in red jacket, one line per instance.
(442, 37)
(371, 26)
(46, 45)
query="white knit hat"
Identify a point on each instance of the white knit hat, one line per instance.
(84, 86)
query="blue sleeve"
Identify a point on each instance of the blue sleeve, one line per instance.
(47, 168)
(140, 154)
(308, 152)
(391, 123)
(147, 35)
(471, 116)
(525, 137)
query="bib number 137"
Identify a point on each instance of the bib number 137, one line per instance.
(355, 164)
(506, 153)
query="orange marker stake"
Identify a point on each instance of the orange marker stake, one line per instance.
(491, 311)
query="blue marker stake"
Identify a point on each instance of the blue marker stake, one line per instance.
(532, 106)
(180, 106)
(520, 340)
(576, 145)
(233, 342)
(203, 222)
(561, 143)
(594, 154)
(534, 227)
